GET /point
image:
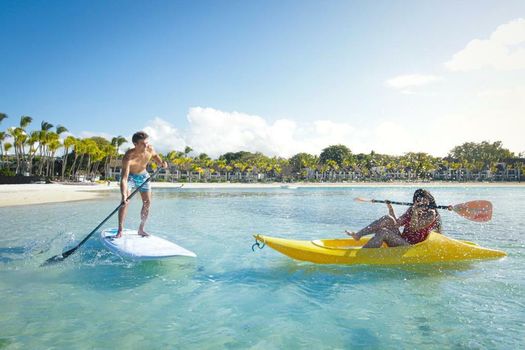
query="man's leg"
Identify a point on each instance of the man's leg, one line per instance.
(121, 217)
(146, 202)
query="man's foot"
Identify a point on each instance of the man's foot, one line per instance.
(119, 234)
(143, 234)
(353, 235)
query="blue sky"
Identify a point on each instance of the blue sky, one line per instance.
(271, 76)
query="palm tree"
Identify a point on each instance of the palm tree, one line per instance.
(34, 137)
(79, 148)
(2, 136)
(7, 147)
(109, 151)
(75, 145)
(25, 120)
(97, 156)
(53, 146)
(301, 163)
(61, 129)
(221, 166)
(68, 142)
(43, 141)
(118, 141)
(181, 161)
(2, 139)
(13, 132)
(19, 136)
(419, 163)
(91, 151)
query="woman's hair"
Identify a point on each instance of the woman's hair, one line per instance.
(421, 193)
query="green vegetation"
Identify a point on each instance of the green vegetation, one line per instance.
(34, 153)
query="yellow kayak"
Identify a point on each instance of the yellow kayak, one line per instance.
(436, 248)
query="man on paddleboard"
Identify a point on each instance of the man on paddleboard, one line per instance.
(134, 174)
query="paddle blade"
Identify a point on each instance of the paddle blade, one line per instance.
(362, 200)
(63, 256)
(54, 260)
(480, 211)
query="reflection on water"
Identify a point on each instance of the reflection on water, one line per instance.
(127, 275)
(231, 297)
(378, 272)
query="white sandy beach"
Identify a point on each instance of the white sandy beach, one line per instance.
(15, 195)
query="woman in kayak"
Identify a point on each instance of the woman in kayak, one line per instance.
(418, 221)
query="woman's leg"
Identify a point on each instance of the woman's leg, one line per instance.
(386, 221)
(391, 237)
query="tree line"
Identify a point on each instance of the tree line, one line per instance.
(35, 153)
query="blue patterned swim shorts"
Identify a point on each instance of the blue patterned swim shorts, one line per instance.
(135, 180)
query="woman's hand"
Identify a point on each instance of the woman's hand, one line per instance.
(390, 209)
(418, 211)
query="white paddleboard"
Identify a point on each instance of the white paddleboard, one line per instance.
(133, 246)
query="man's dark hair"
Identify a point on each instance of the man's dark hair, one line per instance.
(139, 135)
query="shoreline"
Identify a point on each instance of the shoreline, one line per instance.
(29, 194)
(335, 184)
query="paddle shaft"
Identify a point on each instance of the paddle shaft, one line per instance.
(72, 250)
(478, 210)
(408, 203)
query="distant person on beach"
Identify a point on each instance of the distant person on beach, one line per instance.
(133, 175)
(418, 221)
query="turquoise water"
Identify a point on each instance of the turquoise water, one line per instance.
(231, 297)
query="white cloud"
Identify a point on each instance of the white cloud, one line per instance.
(393, 138)
(488, 114)
(491, 115)
(163, 135)
(411, 80)
(502, 51)
(216, 132)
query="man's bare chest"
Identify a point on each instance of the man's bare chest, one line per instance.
(139, 159)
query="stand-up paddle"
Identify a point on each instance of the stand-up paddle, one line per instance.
(480, 210)
(60, 257)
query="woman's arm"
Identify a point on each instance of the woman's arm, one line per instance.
(422, 219)
(405, 218)
(391, 211)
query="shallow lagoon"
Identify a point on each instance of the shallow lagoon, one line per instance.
(231, 297)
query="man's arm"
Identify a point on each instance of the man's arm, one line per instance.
(124, 178)
(157, 159)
